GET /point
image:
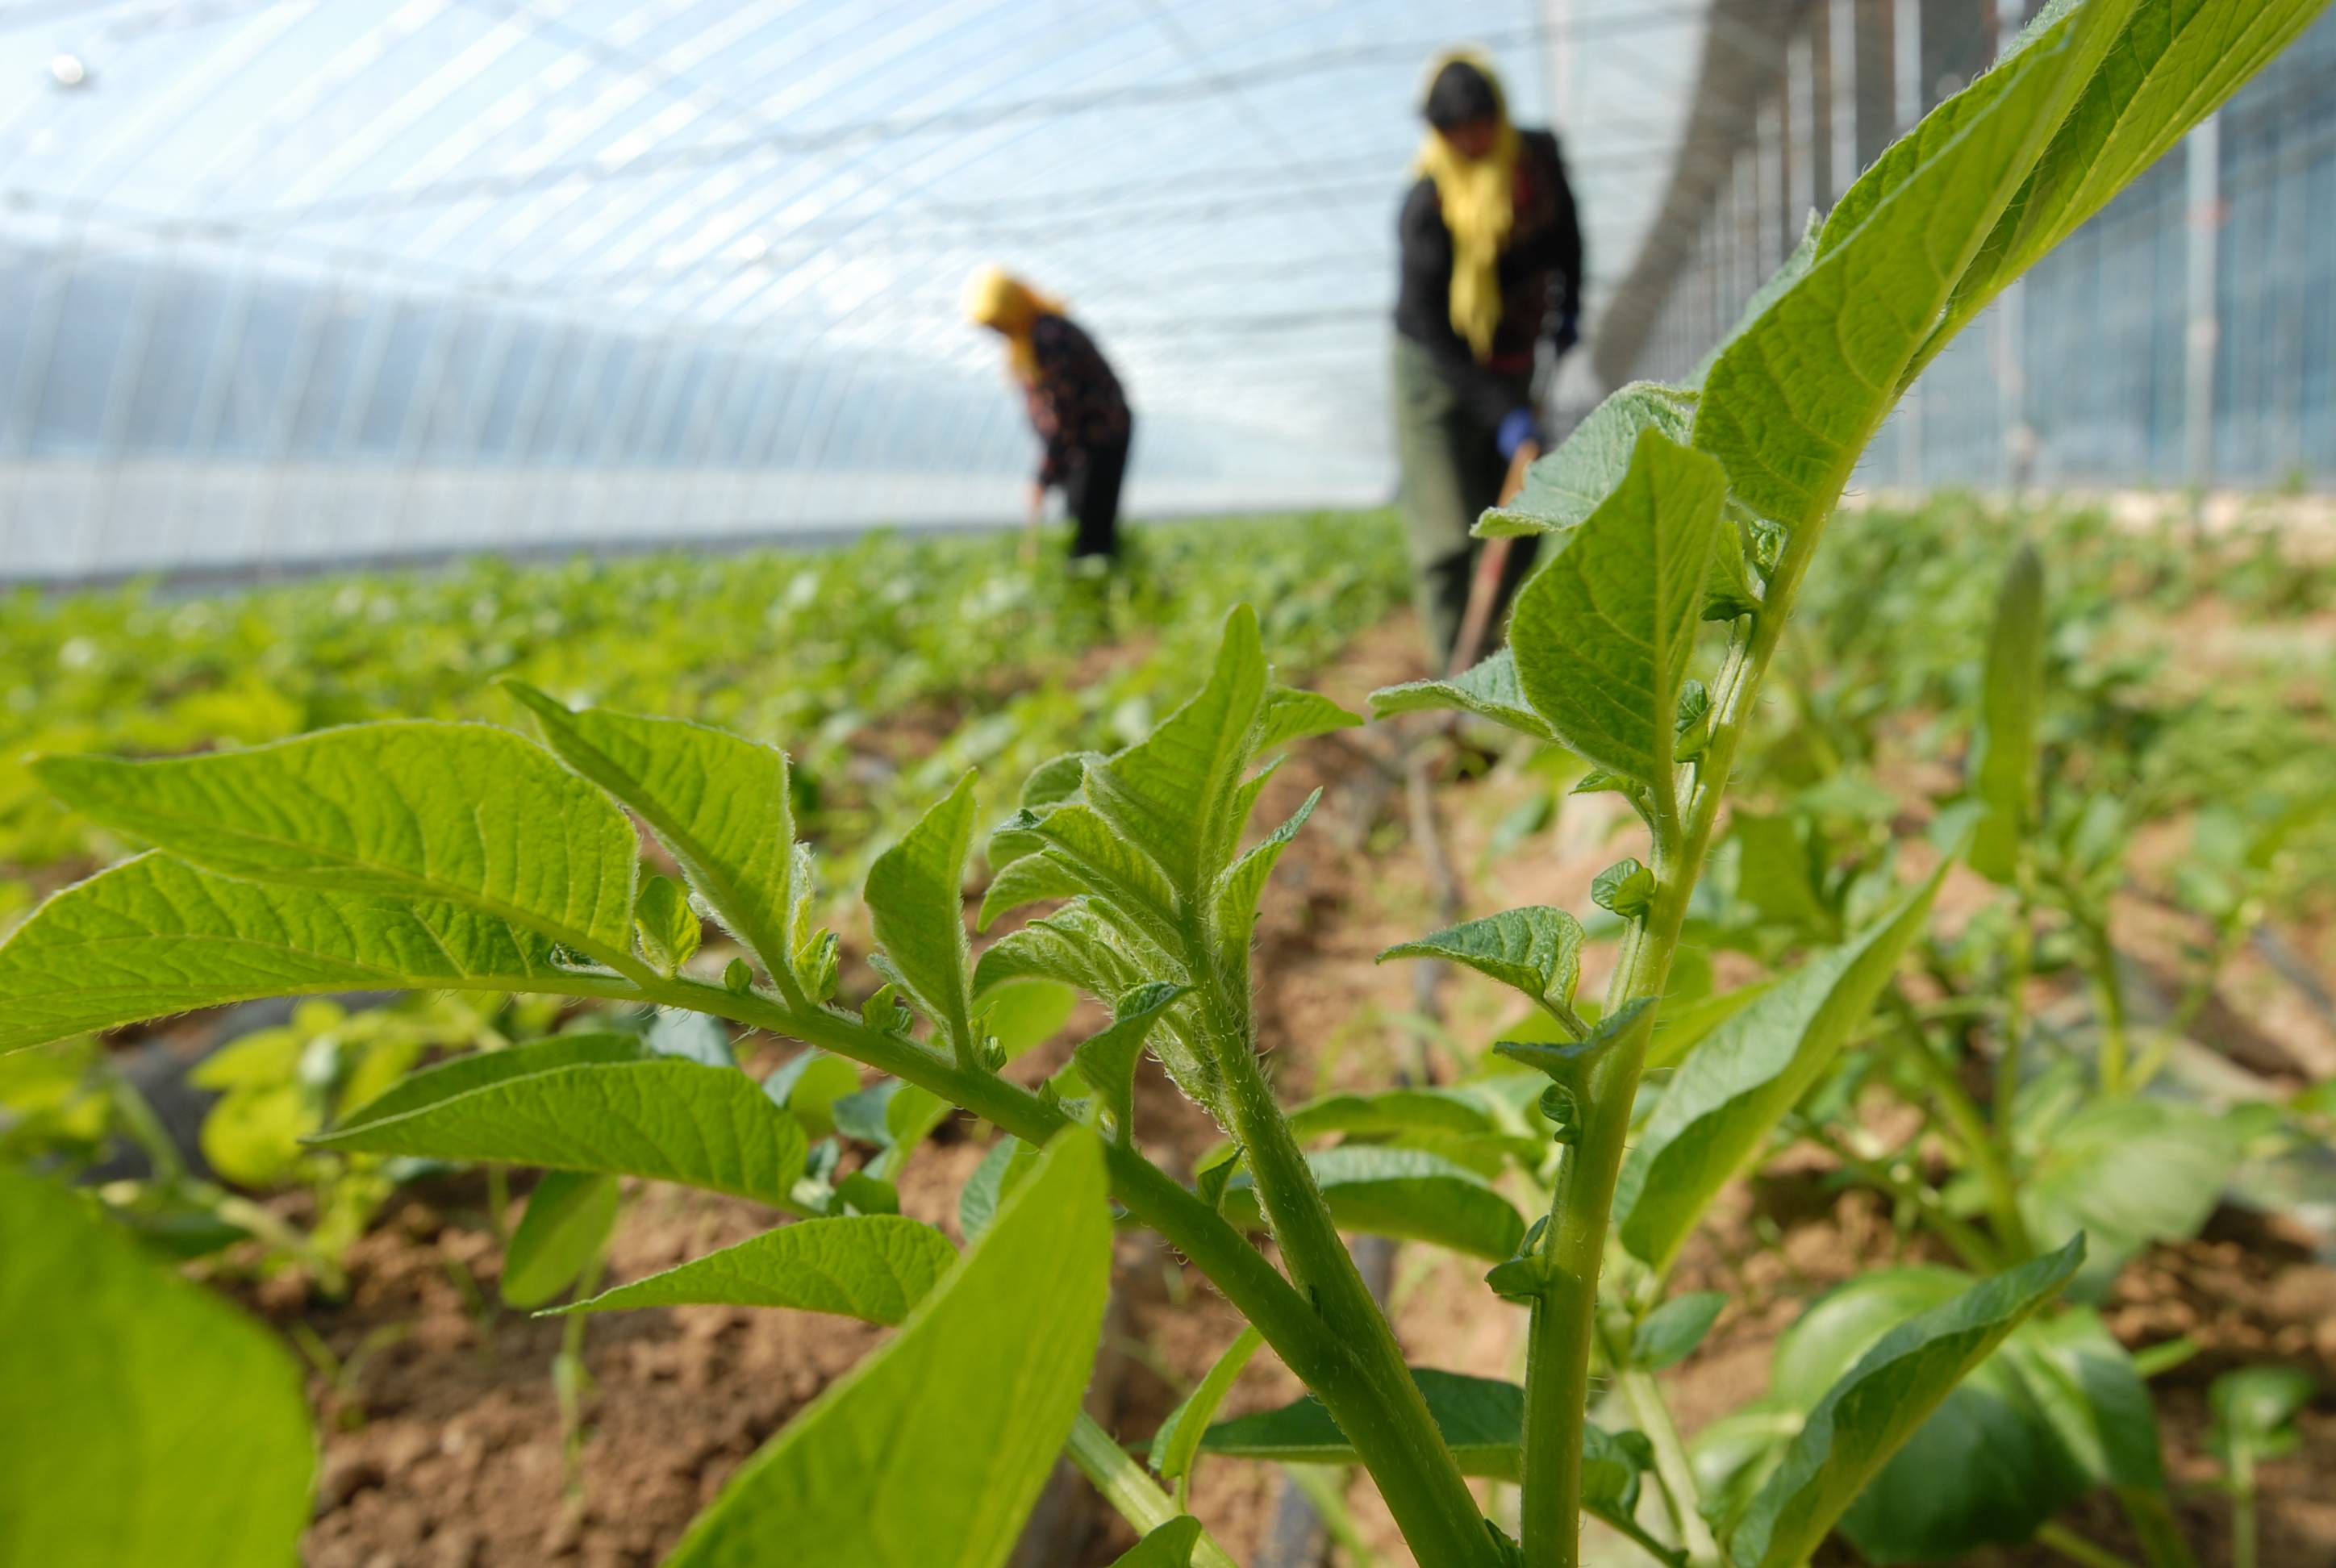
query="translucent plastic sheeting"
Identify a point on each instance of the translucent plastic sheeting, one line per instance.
(285, 282)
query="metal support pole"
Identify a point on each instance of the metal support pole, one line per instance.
(1841, 72)
(1800, 132)
(1906, 79)
(1768, 187)
(2203, 153)
(2011, 333)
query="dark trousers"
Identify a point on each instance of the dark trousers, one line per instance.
(1453, 470)
(1091, 480)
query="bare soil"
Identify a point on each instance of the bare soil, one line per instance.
(443, 1448)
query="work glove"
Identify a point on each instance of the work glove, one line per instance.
(1516, 430)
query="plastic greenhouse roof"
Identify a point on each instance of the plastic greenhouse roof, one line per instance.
(797, 182)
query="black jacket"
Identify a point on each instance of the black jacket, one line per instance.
(1075, 404)
(1540, 280)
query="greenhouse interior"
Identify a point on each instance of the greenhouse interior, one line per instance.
(1546, 784)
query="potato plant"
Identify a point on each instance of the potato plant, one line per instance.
(435, 856)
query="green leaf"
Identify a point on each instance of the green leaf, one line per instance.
(2087, 1387)
(2003, 753)
(1735, 1454)
(1172, 793)
(1078, 944)
(872, 1267)
(720, 803)
(1681, 1027)
(1986, 1467)
(668, 926)
(569, 1220)
(455, 812)
(1536, 949)
(1057, 779)
(1624, 888)
(809, 1085)
(1564, 487)
(916, 902)
(668, 1120)
(1169, 1547)
(1771, 872)
(1072, 848)
(1108, 1060)
(1001, 1170)
(142, 1419)
(1292, 714)
(461, 1075)
(864, 1194)
(1481, 1419)
(252, 1137)
(699, 1037)
(152, 936)
(1880, 1402)
(1031, 879)
(1243, 885)
(1213, 1171)
(889, 1114)
(1792, 402)
(2172, 65)
(2255, 1409)
(1174, 1445)
(2126, 1173)
(1602, 633)
(1568, 1064)
(1391, 1111)
(1489, 689)
(1023, 1015)
(1727, 1097)
(1670, 1333)
(1731, 590)
(1406, 1193)
(910, 1119)
(912, 1460)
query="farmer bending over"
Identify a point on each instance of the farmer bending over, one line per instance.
(1074, 401)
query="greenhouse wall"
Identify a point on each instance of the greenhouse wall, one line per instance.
(2085, 376)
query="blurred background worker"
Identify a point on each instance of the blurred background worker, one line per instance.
(1491, 258)
(1075, 406)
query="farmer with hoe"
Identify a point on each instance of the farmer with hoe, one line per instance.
(1491, 257)
(1075, 406)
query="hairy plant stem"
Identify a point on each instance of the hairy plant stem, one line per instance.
(1563, 1324)
(1399, 1442)
(1337, 1343)
(2101, 956)
(2077, 1549)
(2228, 933)
(1133, 1494)
(1680, 1498)
(2245, 1527)
(2153, 1526)
(2023, 962)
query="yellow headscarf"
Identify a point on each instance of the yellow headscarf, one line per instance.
(995, 297)
(1479, 200)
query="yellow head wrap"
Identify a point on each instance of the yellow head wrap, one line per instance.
(997, 298)
(1479, 200)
